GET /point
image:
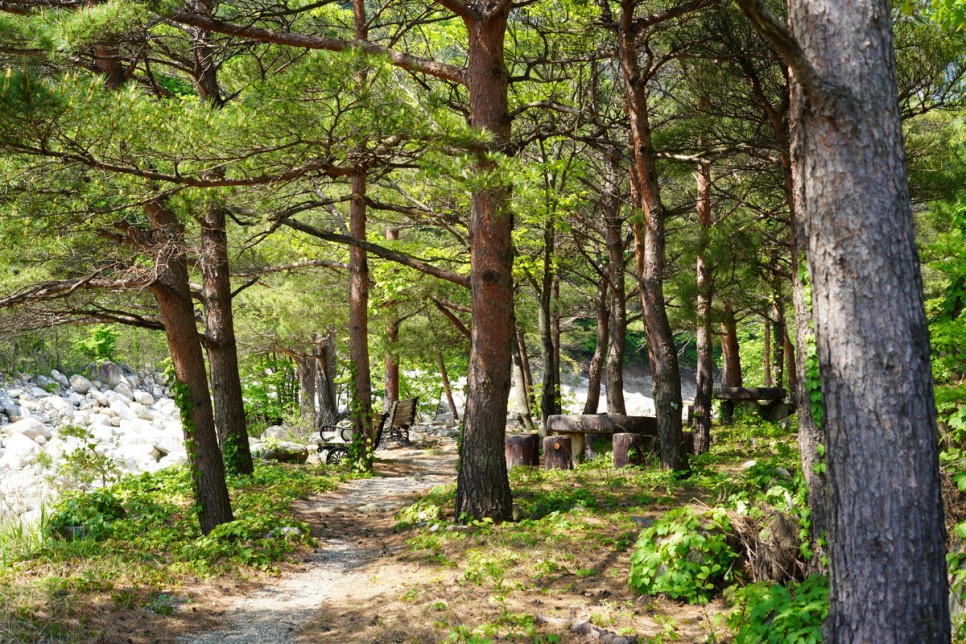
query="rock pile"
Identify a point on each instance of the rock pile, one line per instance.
(130, 418)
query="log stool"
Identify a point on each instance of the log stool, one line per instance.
(522, 449)
(557, 453)
(631, 449)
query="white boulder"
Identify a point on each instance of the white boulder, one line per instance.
(60, 378)
(125, 390)
(80, 384)
(28, 427)
(20, 452)
(143, 398)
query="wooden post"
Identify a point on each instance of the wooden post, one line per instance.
(631, 449)
(557, 453)
(522, 449)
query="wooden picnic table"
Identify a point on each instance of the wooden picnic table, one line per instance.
(774, 407)
(577, 427)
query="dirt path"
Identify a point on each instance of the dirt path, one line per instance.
(354, 527)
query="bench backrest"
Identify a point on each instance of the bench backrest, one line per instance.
(402, 413)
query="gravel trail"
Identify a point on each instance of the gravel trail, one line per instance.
(340, 566)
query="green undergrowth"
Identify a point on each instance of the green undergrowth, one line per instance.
(655, 532)
(136, 544)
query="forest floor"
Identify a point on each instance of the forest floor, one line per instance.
(369, 581)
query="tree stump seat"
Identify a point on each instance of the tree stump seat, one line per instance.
(579, 426)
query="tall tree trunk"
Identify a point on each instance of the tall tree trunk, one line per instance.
(391, 377)
(704, 385)
(325, 379)
(308, 387)
(549, 388)
(172, 292)
(778, 340)
(525, 364)
(766, 358)
(522, 402)
(226, 388)
(885, 515)
(482, 488)
(555, 340)
(447, 389)
(596, 368)
(650, 240)
(730, 356)
(614, 238)
(361, 399)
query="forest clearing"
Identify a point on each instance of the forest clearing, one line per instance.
(482, 320)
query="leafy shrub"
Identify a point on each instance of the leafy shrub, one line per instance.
(100, 344)
(685, 555)
(83, 466)
(92, 511)
(777, 613)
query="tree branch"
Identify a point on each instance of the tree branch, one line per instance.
(776, 34)
(380, 251)
(398, 58)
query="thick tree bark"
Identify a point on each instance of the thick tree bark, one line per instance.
(361, 399)
(226, 388)
(885, 514)
(172, 292)
(596, 367)
(614, 238)
(482, 488)
(650, 240)
(705, 368)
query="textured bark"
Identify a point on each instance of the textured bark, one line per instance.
(630, 449)
(596, 367)
(171, 290)
(886, 534)
(482, 488)
(522, 449)
(226, 388)
(361, 402)
(614, 239)
(705, 374)
(650, 241)
(778, 339)
(550, 388)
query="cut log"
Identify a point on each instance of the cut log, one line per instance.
(522, 449)
(557, 453)
(603, 424)
(631, 449)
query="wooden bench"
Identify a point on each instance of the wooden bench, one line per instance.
(395, 423)
(774, 407)
(577, 427)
